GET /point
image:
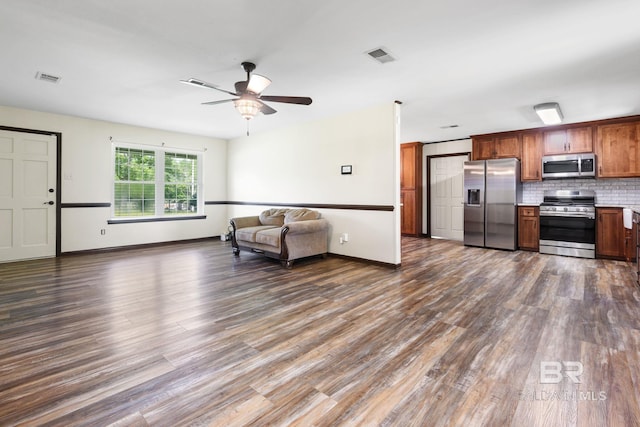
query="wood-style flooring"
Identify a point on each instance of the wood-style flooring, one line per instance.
(188, 334)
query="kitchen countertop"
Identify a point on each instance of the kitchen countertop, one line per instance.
(635, 209)
(531, 205)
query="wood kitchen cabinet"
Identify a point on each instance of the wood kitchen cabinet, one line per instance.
(570, 140)
(630, 243)
(529, 228)
(411, 189)
(531, 162)
(610, 233)
(618, 150)
(496, 146)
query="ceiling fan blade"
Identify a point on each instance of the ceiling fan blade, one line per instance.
(241, 87)
(202, 83)
(302, 100)
(258, 83)
(222, 101)
(265, 109)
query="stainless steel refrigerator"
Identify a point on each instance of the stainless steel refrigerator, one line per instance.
(492, 191)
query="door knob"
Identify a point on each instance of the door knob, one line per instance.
(51, 190)
(50, 202)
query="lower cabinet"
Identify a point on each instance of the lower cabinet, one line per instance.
(610, 234)
(529, 228)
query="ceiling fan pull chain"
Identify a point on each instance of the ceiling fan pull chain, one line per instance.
(247, 127)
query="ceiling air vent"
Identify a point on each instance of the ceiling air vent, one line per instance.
(47, 77)
(381, 55)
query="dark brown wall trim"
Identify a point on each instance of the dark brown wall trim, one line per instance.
(385, 208)
(157, 244)
(58, 136)
(139, 246)
(85, 205)
(366, 261)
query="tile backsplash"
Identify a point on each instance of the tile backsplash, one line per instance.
(615, 192)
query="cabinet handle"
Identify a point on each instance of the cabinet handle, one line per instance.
(569, 145)
(537, 174)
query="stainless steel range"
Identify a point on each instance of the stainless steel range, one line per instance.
(568, 223)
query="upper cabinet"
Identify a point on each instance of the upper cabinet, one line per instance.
(618, 150)
(496, 146)
(531, 162)
(616, 143)
(571, 140)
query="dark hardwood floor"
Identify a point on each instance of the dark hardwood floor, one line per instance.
(188, 334)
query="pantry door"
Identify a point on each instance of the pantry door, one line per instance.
(446, 189)
(28, 170)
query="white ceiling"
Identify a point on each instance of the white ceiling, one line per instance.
(481, 65)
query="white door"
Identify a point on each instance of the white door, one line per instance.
(27, 196)
(446, 204)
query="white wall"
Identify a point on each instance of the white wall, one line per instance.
(434, 149)
(86, 170)
(301, 165)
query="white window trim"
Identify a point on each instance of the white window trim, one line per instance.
(159, 179)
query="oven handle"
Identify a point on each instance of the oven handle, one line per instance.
(587, 215)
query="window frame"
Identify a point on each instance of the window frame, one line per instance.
(159, 199)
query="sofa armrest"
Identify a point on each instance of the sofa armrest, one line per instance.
(245, 221)
(308, 226)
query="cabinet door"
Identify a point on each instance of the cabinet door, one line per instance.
(408, 213)
(618, 150)
(408, 166)
(555, 142)
(609, 233)
(483, 149)
(573, 140)
(528, 228)
(580, 140)
(531, 164)
(507, 147)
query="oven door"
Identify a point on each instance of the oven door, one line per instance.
(568, 229)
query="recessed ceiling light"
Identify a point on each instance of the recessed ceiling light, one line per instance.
(47, 77)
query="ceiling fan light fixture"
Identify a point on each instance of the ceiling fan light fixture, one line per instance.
(549, 113)
(247, 107)
(258, 83)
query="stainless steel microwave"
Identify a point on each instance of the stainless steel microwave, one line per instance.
(581, 165)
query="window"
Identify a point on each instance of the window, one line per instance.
(156, 182)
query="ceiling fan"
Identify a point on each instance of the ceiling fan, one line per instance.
(249, 93)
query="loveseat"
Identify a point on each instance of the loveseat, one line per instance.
(283, 234)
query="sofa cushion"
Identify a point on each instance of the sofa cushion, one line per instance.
(273, 217)
(248, 234)
(269, 237)
(295, 215)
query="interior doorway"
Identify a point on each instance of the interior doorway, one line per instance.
(446, 187)
(29, 200)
